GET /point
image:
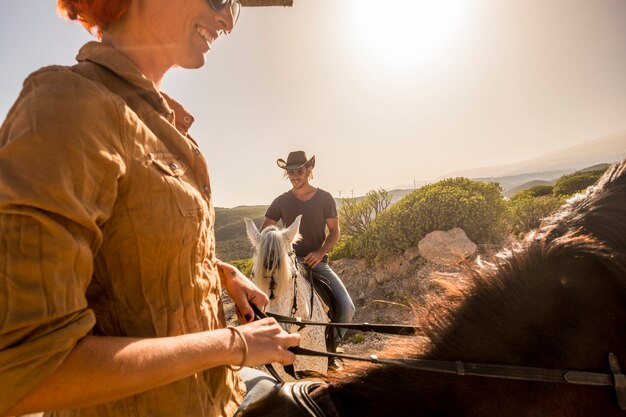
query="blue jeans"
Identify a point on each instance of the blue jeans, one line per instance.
(344, 307)
(258, 383)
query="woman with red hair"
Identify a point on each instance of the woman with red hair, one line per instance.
(110, 303)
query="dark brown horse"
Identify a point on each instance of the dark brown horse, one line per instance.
(555, 301)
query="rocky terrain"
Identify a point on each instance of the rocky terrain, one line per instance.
(386, 290)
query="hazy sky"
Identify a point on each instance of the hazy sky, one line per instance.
(382, 92)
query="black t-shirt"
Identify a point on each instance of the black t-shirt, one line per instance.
(321, 206)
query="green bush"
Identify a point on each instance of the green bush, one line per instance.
(576, 182)
(528, 211)
(343, 249)
(476, 207)
(539, 190)
(244, 265)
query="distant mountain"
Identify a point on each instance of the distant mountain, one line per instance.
(509, 191)
(512, 184)
(230, 231)
(526, 186)
(596, 167)
(398, 194)
(509, 182)
(608, 149)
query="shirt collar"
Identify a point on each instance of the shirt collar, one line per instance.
(106, 56)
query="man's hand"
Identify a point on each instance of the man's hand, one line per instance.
(242, 291)
(314, 258)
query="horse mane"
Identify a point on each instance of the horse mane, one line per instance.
(272, 258)
(552, 300)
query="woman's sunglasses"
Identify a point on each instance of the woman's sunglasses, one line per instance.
(235, 7)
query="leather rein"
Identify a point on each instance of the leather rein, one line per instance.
(615, 379)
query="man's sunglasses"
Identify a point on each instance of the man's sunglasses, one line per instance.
(235, 7)
(296, 172)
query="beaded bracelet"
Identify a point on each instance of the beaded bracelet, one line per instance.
(245, 348)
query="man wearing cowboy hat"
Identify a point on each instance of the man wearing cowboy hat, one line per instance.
(319, 211)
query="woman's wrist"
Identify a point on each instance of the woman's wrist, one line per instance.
(237, 334)
(225, 271)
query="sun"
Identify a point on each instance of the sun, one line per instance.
(405, 34)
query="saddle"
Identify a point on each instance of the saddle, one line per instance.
(290, 399)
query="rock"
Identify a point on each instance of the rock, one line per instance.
(349, 265)
(362, 265)
(489, 249)
(372, 283)
(412, 253)
(383, 276)
(380, 261)
(446, 248)
(398, 266)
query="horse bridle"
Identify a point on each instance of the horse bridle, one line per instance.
(615, 379)
(272, 285)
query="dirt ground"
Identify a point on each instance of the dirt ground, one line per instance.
(389, 302)
(384, 292)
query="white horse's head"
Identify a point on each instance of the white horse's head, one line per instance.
(271, 266)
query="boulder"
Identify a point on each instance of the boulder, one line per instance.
(341, 266)
(383, 276)
(446, 248)
(412, 253)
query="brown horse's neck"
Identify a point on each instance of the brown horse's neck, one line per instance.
(391, 395)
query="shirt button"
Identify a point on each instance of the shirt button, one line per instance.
(196, 151)
(187, 119)
(205, 188)
(173, 165)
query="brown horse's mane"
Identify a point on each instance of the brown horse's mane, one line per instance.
(553, 300)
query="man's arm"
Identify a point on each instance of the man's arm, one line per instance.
(314, 258)
(268, 222)
(333, 235)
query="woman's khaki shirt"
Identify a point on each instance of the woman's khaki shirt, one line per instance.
(106, 227)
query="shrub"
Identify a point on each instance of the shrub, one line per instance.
(476, 207)
(244, 265)
(528, 211)
(576, 182)
(343, 249)
(539, 190)
(355, 215)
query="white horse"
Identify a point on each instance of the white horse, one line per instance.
(276, 272)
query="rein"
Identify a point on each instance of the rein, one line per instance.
(615, 379)
(395, 329)
(521, 373)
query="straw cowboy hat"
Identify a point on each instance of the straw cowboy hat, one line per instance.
(295, 160)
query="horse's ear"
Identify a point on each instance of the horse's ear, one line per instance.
(292, 232)
(253, 233)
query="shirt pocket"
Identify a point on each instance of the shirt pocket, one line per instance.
(186, 196)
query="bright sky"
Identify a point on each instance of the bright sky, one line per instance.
(383, 93)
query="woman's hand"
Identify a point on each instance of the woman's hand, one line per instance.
(242, 291)
(267, 342)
